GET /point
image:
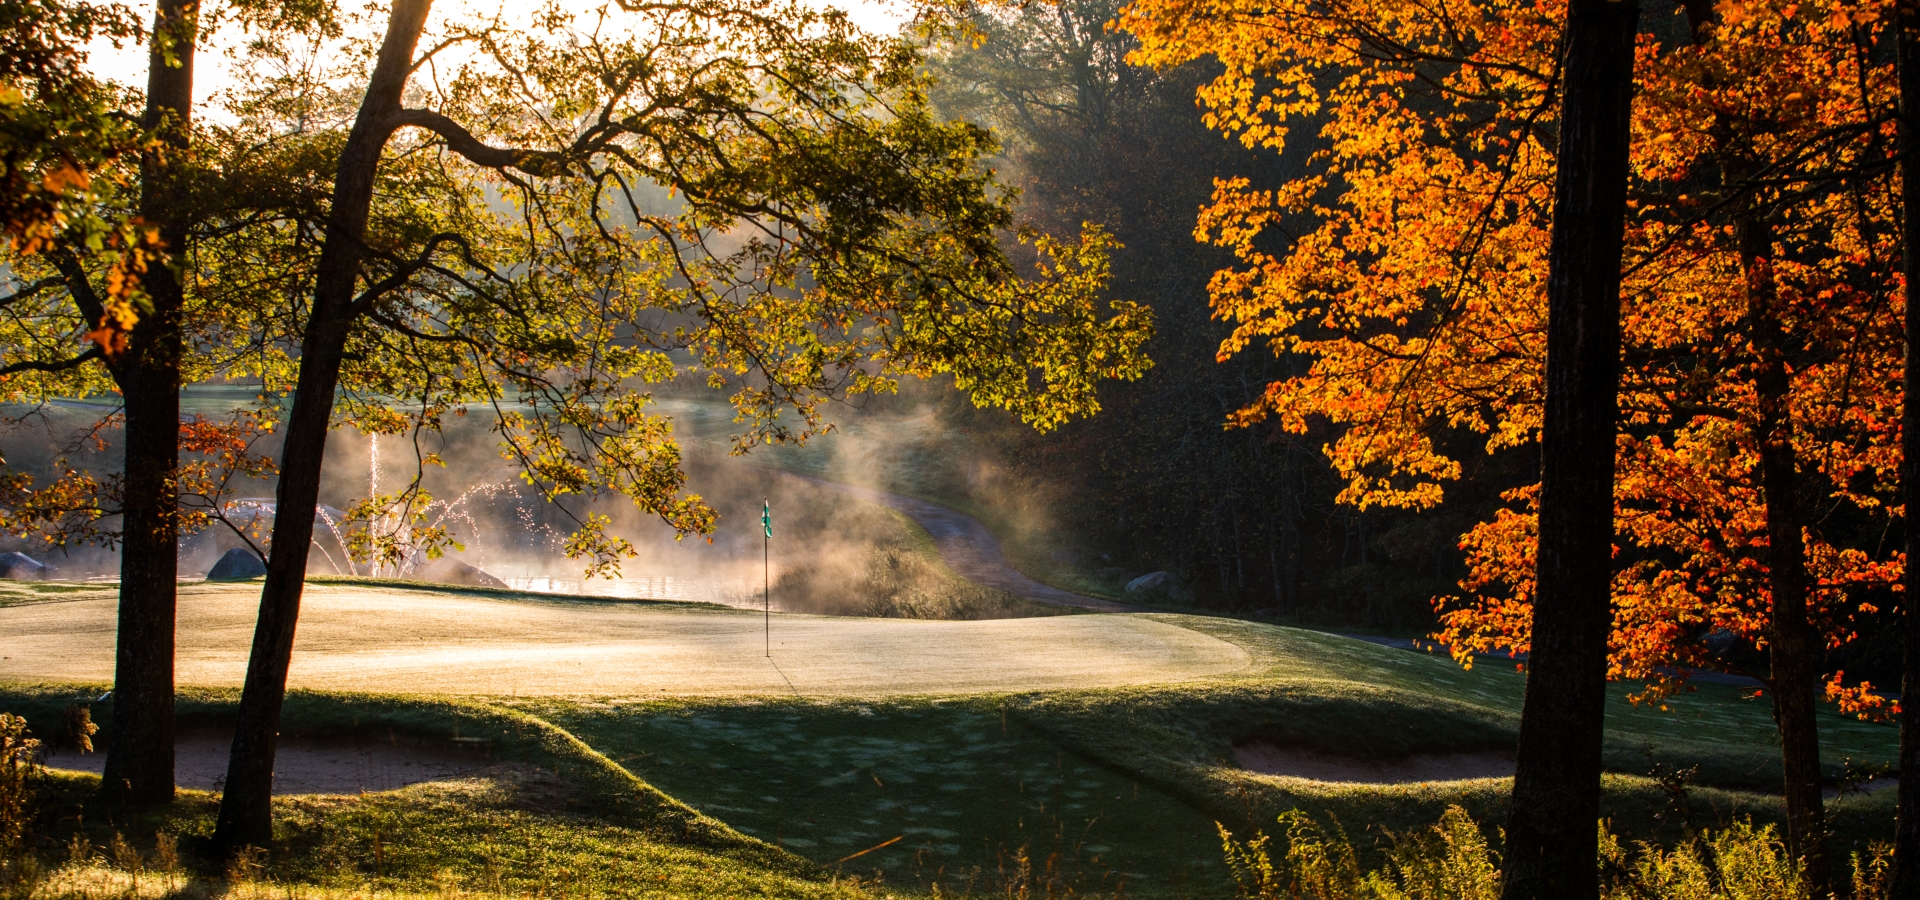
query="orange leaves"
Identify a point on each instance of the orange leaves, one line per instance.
(1414, 290)
(1860, 700)
(65, 179)
(1405, 269)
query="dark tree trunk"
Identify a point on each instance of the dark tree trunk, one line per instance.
(140, 756)
(1790, 643)
(1552, 827)
(1906, 845)
(246, 813)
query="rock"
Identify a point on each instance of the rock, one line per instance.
(1150, 581)
(239, 564)
(447, 570)
(18, 566)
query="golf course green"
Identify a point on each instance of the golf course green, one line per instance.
(1091, 751)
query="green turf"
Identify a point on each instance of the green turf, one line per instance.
(967, 790)
(560, 819)
(21, 593)
(1360, 700)
(1101, 788)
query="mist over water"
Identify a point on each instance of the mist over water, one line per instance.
(829, 553)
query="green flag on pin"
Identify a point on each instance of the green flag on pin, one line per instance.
(766, 517)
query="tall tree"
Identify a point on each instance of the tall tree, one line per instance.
(1409, 270)
(757, 186)
(1906, 850)
(105, 257)
(140, 757)
(1551, 832)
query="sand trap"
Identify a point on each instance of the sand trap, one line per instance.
(308, 766)
(385, 639)
(1292, 762)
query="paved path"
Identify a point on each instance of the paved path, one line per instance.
(367, 638)
(967, 547)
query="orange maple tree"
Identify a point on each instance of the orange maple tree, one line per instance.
(1407, 266)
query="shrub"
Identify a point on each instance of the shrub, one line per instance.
(1453, 861)
(19, 756)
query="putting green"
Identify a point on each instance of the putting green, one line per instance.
(372, 638)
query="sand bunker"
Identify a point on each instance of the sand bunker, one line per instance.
(309, 766)
(384, 639)
(1292, 762)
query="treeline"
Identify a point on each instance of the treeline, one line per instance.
(1248, 518)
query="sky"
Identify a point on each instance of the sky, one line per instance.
(216, 71)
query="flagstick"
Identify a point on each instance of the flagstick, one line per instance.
(766, 590)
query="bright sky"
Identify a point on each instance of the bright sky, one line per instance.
(215, 70)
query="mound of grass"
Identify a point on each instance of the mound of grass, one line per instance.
(979, 803)
(1097, 791)
(555, 817)
(1352, 699)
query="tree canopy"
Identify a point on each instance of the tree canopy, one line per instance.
(1762, 335)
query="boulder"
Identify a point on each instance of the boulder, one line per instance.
(447, 570)
(239, 564)
(17, 566)
(1150, 581)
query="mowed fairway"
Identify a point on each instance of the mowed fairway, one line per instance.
(395, 639)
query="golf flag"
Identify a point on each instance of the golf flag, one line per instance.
(766, 517)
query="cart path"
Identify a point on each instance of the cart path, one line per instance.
(970, 549)
(386, 639)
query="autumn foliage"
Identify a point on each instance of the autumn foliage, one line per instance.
(1409, 269)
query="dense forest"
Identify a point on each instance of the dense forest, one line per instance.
(1246, 517)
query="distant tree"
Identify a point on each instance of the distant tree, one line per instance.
(1244, 516)
(752, 189)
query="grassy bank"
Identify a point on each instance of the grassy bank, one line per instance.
(552, 817)
(1100, 791)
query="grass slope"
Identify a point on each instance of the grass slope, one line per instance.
(1354, 699)
(969, 792)
(1096, 790)
(557, 818)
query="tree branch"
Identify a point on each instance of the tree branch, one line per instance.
(538, 163)
(34, 365)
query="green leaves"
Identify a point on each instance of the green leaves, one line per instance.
(749, 193)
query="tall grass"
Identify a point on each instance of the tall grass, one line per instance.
(19, 758)
(1453, 860)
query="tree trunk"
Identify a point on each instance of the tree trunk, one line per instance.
(1906, 846)
(246, 813)
(140, 755)
(1552, 826)
(1790, 645)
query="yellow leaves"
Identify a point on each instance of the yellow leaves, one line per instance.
(1732, 12)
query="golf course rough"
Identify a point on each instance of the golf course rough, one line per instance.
(382, 638)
